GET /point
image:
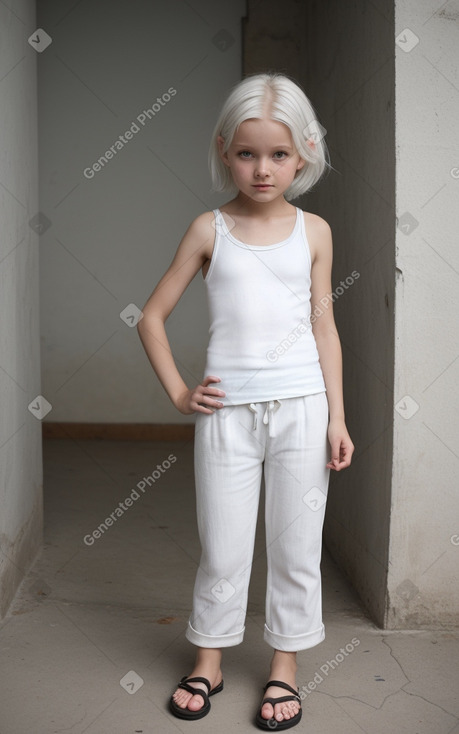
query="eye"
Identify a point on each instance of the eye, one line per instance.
(243, 152)
(280, 153)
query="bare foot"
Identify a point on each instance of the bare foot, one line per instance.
(208, 666)
(283, 667)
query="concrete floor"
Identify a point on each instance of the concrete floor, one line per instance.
(94, 641)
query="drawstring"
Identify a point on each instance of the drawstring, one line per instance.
(268, 417)
(253, 408)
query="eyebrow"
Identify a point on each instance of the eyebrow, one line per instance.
(274, 147)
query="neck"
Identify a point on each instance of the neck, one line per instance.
(260, 209)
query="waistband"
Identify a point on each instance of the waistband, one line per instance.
(268, 418)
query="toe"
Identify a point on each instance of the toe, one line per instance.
(181, 698)
(285, 710)
(279, 710)
(196, 702)
(267, 711)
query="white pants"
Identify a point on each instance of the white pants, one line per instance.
(231, 444)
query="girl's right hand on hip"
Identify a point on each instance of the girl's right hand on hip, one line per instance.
(201, 399)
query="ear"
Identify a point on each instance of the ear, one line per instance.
(302, 162)
(223, 156)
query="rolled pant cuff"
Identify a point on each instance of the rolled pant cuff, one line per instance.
(286, 643)
(198, 638)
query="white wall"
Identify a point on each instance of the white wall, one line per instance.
(20, 431)
(112, 236)
(424, 540)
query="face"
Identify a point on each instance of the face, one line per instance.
(262, 158)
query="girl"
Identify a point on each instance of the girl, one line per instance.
(271, 393)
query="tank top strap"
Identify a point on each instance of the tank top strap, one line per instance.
(220, 224)
(304, 237)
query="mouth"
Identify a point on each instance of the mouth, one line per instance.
(262, 186)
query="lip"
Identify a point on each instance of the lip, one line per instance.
(262, 186)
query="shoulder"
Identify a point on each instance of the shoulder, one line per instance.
(319, 235)
(201, 232)
(203, 221)
(315, 224)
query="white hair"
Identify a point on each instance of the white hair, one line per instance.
(277, 97)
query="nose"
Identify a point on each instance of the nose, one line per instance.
(262, 168)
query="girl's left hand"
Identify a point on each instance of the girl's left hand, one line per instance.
(341, 445)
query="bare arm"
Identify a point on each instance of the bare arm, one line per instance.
(192, 252)
(327, 340)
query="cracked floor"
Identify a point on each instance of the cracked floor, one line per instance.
(94, 640)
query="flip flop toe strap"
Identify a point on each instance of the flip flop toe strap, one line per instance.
(184, 683)
(281, 684)
(273, 701)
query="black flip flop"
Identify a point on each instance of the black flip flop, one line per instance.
(272, 724)
(185, 713)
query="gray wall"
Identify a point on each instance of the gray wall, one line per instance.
(349, 73)
(113, 235)
(21, 511)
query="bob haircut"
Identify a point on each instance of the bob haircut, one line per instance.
(279, 98)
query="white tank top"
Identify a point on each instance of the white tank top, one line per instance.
(261, 343)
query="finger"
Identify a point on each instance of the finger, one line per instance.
(348, 459)
(209, 379)
(343, 461)
(212, 390)
(206, 399)
(336, 465)
(200, 408)
(335, 452)
(205, 404)
(347, 451)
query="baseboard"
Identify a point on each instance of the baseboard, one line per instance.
(120, 431)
